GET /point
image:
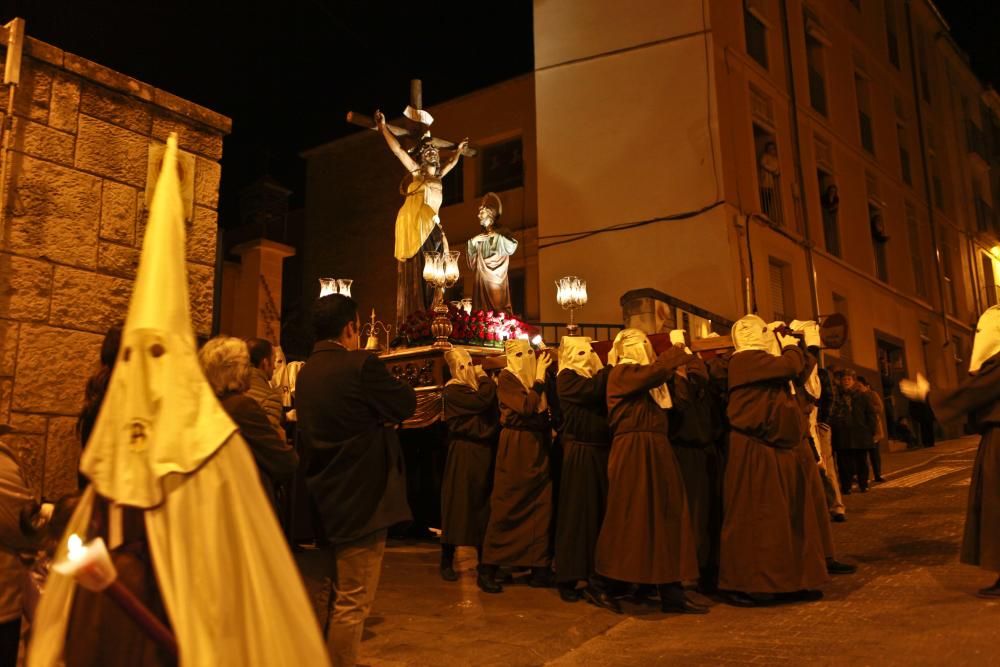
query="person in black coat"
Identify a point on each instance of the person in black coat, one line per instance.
(854, 430)
(348, 409)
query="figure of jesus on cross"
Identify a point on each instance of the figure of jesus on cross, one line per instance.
(418, 224)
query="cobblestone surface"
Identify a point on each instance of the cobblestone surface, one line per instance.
(911, 602)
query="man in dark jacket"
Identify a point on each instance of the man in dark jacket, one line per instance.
(854, 430)
(348, 409)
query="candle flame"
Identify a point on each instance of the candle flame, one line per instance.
(76, 548)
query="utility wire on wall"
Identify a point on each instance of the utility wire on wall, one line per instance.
(579, 236)
(571, 237)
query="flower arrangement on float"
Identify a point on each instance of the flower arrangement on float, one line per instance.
(482, 328)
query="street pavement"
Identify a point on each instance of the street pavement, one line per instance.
(910, 603)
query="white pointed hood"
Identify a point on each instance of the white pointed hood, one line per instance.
(750, 333)
(461, 368)
(987, 340)
(576, 354)
(160, 415)
(229, 585)
(632, 346)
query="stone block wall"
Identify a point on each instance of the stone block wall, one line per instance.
(71, 232)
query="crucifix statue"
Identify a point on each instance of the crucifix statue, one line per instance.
(418, 224)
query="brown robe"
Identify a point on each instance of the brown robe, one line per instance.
(771, 537)
(695, 428)
(979, 397)
(520, 526)
(646, 536)
(583, 491)
(102, 634)
(473, 423)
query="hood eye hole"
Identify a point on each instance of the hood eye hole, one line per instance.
(157, 350)
(519, 354)
(126, 354)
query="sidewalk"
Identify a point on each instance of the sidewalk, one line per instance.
(896, 463)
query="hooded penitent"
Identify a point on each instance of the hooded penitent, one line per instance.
(576, 354)
(987, 340)
(521, 363)
(462, 370)
(631, 346)
(162, 443)
(750, 333)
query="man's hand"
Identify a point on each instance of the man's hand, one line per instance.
(542, 365)
(915, 390)
(464, 144)
(787, 341)
(379, 120)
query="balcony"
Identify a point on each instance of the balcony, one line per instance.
(770, 196)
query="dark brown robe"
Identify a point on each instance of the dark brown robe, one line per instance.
(694, 431)
(583, 491)
(348, 405)
(646, 536)
(473, 423)
(520, 526)
(771, 538)
(979, 397)
(102, 634)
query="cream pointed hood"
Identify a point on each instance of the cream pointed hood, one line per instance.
(987, 340)
(462, 371)
(632, 346)
(750, 333)
(160, 415)
(576, 354)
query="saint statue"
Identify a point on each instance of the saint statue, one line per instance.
(489, 256)
(418, 225)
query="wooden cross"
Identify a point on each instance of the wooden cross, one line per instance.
(416, 101)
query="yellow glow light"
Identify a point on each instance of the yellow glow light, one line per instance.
(76, 549)
(995, 251)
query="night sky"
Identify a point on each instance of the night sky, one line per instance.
(287, 72)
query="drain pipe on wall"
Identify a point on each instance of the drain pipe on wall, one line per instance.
(793, 101)
(14, 30)
(926, 173)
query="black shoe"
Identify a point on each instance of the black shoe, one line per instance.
(836, 567)
(600, 599)
(879, 480)
(541, 577)
(487, 583)
(644, 592)
(991, 593)
(839, 518)
(738, 599)
(504, 576)
(799, 596)
(448, 573)
(683, 606)
(845, 493)
(864, 489)
(569, 593)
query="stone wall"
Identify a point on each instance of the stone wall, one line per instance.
(77, 171)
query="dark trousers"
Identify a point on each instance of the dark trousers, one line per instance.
(10, 638)
(875, 456)
(852, 463)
